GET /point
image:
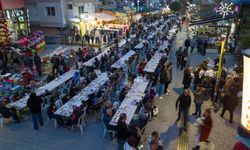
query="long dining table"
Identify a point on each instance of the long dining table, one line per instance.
(131, 101)
(153, 63)
(121, 62)
(22, 103)
(67, 109)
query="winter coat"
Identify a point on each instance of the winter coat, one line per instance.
(187, 78)
(183, 101)
(34, 104)
(37, 61)
(198, 97)
(205, 129)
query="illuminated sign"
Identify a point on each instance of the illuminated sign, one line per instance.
(245, 114)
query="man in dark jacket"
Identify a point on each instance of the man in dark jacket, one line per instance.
(187, 43)
(38, 63)
(34, 104)
(122, 131)
(184, 102)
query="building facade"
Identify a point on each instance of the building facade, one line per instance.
(57, 13)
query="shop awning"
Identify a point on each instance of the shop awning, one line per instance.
(203, 21)
(104, 16)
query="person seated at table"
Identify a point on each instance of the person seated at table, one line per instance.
(97, 63)
(154, 137)
(83, 105)
(108, 112)
(27, 76)
(15, 97)
(143, 117)
(64, 97)
(96, 101)
(73, 90)
(147, 104)
(51, 112)
(131, 143)
(123, 93)
(46, 93)
(135, 131)
(50, 77)
(8, 112)
(73, 119)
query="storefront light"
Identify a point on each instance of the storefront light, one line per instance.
(245, 114)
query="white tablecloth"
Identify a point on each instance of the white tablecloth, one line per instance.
(121, 62)
(90, 62)
(122, 43)
(139, 46)
(20, 104)
(67, 109)
(130, 103)
(153, 63)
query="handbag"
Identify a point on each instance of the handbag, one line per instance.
(155, 111)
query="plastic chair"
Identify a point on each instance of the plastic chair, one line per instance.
(118, 95)
(105, 131)
(80, 124)
(116, 105)
(58, 103)
(2, 120)
(45, 113)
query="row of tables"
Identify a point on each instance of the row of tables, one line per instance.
(121, 62)
(22, 103)
(153, 62)
(67, 109)
(131, 101)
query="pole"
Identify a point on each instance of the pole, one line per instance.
(221, 60)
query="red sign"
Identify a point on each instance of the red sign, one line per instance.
(11, 4)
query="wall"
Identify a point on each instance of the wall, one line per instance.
(51, 21)
(33, 13)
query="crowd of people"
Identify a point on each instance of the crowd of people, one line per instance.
(105, 101)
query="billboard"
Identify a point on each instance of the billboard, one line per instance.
(11, 4)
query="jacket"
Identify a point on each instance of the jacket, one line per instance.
(187, 78)
(34, 104)
(183, 101)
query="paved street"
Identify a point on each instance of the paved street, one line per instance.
(23, 137)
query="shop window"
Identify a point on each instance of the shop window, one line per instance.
(50, 11)
(81, 9)
(70, 6)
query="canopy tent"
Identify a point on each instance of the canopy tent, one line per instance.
(104, 16)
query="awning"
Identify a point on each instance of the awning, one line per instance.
(104, 16)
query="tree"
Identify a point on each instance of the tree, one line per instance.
(175, 6)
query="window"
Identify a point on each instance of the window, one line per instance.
(70, 6)
(81, 9)
(50, 11)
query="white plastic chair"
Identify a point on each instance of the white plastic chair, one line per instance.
(58, 103)
(118, 95)
(45, 113)
(116, 105)
(2, 120)
(105, 131)
(80, 124)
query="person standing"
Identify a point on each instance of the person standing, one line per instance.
(187, 42)
(205, 45)
(122, 131)
(187, 78)
(198, 100)
(183, 102)
(192, 44)
(34, 104)
(178, 55)
(162, 81)
(38, 63)
(168, 78)
(204, 128)
(231, 100)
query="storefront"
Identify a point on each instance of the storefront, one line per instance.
(14, 21)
